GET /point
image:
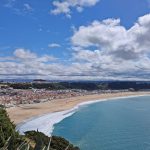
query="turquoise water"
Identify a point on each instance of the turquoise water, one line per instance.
(122, 124)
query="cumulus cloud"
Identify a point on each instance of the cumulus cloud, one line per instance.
(64, 7)
(26, 63)
(118, 51)
(27, 55)
(110, 37)
(102, 50)
(24, 54)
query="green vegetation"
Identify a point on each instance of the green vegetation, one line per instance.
(60, 85)
(94, 85)
(7, 131)
(57, 143)
(11, 140)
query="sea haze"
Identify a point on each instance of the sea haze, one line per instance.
(122, 124)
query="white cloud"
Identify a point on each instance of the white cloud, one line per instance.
(24, 54)
(100, 34)
(26, 64)
(27, 55)
(119, 51)
(103, 50)
(54, 45)
(110, 37)
(66, 6)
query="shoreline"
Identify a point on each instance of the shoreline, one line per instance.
(41, 117)
(24, 112)
(45, 123)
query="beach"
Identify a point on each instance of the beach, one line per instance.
(25, 112)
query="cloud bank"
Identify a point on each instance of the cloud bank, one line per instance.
(102, 50)
(118, 51)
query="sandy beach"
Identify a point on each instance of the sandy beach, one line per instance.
(21, 113)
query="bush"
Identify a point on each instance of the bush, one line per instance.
(57, 143)
(11, 140)
(7, 130)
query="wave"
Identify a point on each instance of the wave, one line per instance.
(45, 123)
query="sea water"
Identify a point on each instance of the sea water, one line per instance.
(122, 124)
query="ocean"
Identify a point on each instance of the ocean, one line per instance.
(121, 124)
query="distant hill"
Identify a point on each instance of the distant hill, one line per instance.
(89, 85)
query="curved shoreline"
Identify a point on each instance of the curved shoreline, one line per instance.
(27, 111)
(45, 123)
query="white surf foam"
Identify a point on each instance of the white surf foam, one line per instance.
(45, 123)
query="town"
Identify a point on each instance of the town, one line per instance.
(10, 97)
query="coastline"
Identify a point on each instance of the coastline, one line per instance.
(27, 111)
(45, 123)
(44, 116)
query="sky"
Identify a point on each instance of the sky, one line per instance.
(75, 39)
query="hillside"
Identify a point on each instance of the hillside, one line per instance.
(11, 140)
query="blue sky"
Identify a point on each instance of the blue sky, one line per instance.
(69, 40)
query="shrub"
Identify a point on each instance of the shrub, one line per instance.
(32, 140)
